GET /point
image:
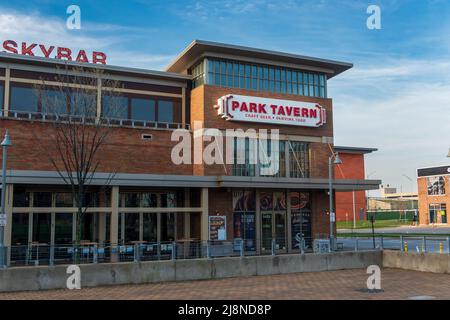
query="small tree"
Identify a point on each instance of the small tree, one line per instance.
(78, 132)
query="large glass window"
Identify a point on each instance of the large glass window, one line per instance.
(260, 77)
(42, 199)
(115, 107)
(165, 111)
(41, 227)
(143, 109)
(301, 219)
(63, 228)
(167, 227)
(150, 227)
(244, 224)
(53, 101)
(298, 159)
(23, 99)
(19, 234)
(64, 199)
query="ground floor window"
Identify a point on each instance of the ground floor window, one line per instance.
(244, 218)
(301, 219)
(438, 213)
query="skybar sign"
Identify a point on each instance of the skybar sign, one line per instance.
(264, 110)
(62, 53)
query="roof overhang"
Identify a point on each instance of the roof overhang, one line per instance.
(355, 150)
(199, 48)
(155, 180)
(11, 59)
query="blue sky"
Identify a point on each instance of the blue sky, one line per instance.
(396, 98)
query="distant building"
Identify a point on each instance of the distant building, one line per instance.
(434, 194)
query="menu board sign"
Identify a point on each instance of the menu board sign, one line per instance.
(217, 228)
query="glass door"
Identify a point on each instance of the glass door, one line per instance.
(266, 225)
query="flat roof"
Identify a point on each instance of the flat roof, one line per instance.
(126, 71)
(198, 48)
(359, 150)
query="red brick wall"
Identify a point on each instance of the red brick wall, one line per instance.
(320, 217)
(425, 200)
(203, 99)
(125, 151)
(352, 167)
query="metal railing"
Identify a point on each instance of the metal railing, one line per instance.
(405, 243)
(42, 116)
(44, 254)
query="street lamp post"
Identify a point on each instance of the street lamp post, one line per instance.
(337, 160)
(5, 144)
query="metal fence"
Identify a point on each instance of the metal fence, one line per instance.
(43, 254)
(419, 244)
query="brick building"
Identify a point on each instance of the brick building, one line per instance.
(351, 205)
(152, 199)
(434, 194)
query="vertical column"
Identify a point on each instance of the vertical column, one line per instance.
(7, 90)
(141, 226)
(289, 220)
(187, 215)
(183, 107)
(258, 223)
(9, 213)
(205, 214)
(287, 147)
(99, 97)
(101, 227)
(114, 225)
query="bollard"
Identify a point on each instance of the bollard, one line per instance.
(401, 243)
(174, 250)
(356, 244)
(273, 247)
(440, 247)
(424, 244)
(381, 242)
(406, 246)
(95, 259)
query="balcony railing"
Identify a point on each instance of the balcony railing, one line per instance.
(41, 116)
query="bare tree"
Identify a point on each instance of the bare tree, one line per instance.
(78, 133)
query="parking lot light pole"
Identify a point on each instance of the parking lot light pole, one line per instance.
(5, 144)
(337, 160)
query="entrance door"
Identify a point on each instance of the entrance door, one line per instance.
(273, 226)
(273, 220)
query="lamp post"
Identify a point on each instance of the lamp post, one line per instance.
(5, 144)
(337, 160)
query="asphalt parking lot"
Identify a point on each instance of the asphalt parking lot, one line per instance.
(330, 285)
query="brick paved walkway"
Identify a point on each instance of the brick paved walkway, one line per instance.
(345, 284)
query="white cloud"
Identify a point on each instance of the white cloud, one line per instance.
(402, 109)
